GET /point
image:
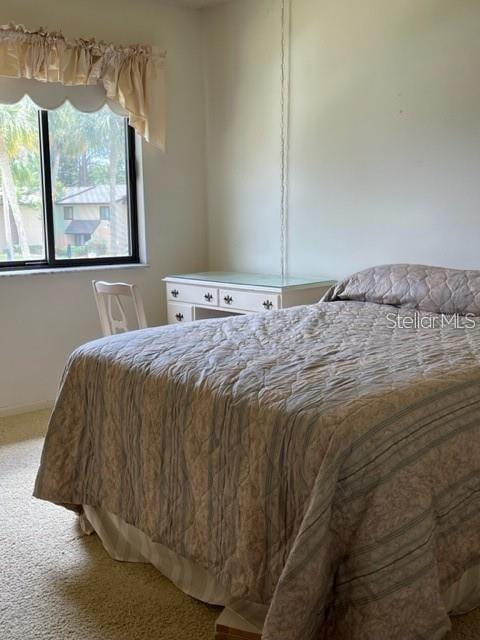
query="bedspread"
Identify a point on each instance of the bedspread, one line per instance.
(322, 460)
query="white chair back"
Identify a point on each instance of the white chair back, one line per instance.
(109, 295)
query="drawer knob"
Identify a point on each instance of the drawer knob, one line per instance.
(208, 297)
(268, 304)
(175, 293)
(228, 299)
(179, 317)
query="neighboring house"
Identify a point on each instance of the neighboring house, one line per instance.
(84, 217)
(32, 214)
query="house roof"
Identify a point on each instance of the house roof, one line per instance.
(82, 226)
(91, 195)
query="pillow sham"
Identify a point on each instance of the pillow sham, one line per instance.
(413, 286)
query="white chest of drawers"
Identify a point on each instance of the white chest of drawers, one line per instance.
(197, 296)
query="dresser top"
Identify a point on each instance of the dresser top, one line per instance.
(250, 279)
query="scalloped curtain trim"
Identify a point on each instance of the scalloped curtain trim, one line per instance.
(133, 76)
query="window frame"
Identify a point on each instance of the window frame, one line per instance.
(50, 261)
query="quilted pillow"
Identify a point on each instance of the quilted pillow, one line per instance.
(413, 286)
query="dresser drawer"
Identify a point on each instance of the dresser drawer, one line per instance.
(179, 312)
(248, 301)
(192, 293)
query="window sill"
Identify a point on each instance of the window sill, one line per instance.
(47, 271)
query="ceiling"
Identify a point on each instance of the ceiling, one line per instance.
(197, 4)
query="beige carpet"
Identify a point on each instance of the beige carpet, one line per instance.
(58, 585)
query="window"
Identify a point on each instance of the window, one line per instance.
(62, 174)
(81, 239)
(104, 213)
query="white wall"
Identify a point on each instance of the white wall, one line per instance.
(243, 149)
(385, 134)
(44, 317)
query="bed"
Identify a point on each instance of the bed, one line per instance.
(315, 469)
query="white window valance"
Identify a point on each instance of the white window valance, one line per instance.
(131, 77)
(52, 95)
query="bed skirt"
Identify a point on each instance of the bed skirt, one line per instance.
(126, 543)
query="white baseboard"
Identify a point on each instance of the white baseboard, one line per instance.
(26, 408)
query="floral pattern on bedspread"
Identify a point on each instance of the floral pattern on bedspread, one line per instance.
(315, 459)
